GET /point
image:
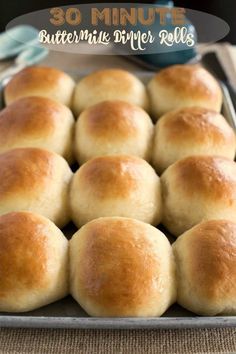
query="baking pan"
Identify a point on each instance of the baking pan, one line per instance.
(66, 313)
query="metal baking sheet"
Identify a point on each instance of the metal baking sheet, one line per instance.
(66, 313)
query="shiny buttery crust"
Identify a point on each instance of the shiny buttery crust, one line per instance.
(206, 268)
(113, 128)
(40, 81)
(36, 180)
(191, 131)
(115, 186)
(37, 122)
(122, 267)
(109, 84)
(181, 86)
(198, 188)
(33, 262)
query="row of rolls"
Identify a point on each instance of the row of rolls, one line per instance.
(115, 128)
(117, 264)
(191, 190)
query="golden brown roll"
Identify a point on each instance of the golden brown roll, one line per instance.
(181, 86)
(37, 122)
(109, 84)
(113, 128)
(191, 131)
(206, 268)
(40, 81)
(33, 262)
(122, 267)
(198, 188)
(115, 186)
(35, 180)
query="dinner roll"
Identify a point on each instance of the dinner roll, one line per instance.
(37, 122)
(198, 188)
(33, 262)
(109, 84)
(40, 81)
(183, 86)
(122, 267)
(113, 128)
(36, 180)
(191, 131)
(115, 186)
(206, 268)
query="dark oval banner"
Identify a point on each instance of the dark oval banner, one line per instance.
(122, 28)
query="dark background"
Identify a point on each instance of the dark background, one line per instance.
(226, 9)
